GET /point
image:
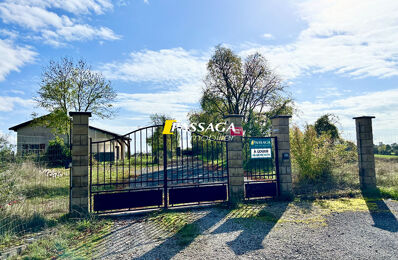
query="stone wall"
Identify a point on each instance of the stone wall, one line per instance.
(80, 162)
(366, 159)
(235, 163)
(280, 129)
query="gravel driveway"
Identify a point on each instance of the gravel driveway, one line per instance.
(328, 229)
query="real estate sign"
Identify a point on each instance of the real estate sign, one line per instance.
(260, 148)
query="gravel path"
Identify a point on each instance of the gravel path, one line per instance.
(339, 229)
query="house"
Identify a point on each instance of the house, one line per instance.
(34, 139)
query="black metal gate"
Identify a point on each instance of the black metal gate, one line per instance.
(146, 169)
(261, 174)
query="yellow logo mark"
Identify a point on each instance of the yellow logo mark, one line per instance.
(167, 127)
(252, 142)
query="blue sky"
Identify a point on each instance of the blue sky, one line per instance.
(337, 57)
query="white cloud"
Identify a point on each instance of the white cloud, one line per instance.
(8, 104)
(166, 65)
(351, 37)
(176, 75)
(8, 34)
(18, 92)
(10, 137)
(176, 103)
(268, 36)
(40, 17)
(381, 104)
(72, 6)
(13, 57)
(329, 92)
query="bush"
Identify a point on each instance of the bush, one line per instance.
(6, 152)
(8, 184)
(315, 156)
(58, 154)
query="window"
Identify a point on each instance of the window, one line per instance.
(33, 149)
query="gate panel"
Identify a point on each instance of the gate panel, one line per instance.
(127, 199)
(260, 189)
(146, 169)
(127, 172)
(180, 195)
(261, 174)
(197, 169)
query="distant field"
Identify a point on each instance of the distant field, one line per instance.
(386, 156)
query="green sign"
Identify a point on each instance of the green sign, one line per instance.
(260, 148)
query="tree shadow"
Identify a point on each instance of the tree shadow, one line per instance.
(253, 220)
(185, 236)
(381, 214)
(253, 229)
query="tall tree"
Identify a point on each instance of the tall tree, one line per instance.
(249, 88)
(69, 86)
(326, 124)
(155, 141)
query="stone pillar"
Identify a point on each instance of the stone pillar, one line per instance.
(235, 163)
(280, 129)
(366, 159)
(80, 161)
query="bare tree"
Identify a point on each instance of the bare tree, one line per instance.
(248, 88)
(234, 87)
(68, 86)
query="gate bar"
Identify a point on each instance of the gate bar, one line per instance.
(276, 165)
(165, 169)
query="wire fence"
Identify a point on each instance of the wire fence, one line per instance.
(34, 187)
(386, 161)
(335, 168)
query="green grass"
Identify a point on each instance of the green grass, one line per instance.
(344, 181)
(389, 192)
(71, 239)
(177, 222)
(30, 201)
(386, 156)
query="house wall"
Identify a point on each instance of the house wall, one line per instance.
(107, 147)
(32, 137)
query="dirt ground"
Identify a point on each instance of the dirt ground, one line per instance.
(351, 228)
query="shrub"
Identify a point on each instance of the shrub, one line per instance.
(8, 184)
(57, 154)
(315, 156)
(6, 152)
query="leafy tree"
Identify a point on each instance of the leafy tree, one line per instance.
(326, 125)
(69, 86)
(249, 88)
(395, 148)
(155, 141)
(385, 149)
(57, 154)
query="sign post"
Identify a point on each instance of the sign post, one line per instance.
(260, 148)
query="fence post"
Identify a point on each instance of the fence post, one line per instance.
(235, 163)
(366, 159)
(80, 161)
(280, 129)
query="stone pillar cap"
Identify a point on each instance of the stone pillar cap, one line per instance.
(80, 113)
(233, 115)
(281, 116)
(360, 117)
